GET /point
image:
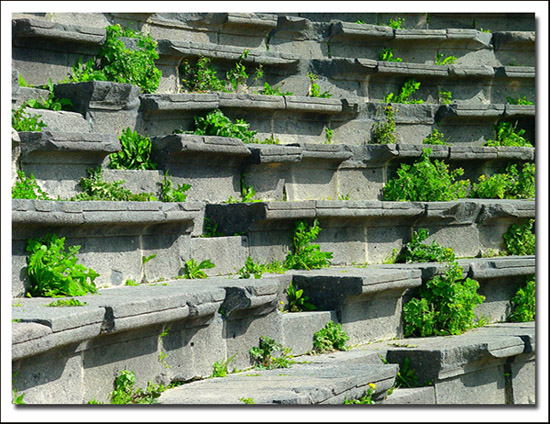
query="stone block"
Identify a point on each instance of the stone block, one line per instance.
(524, 377)
(227, 253)
(299, 328)
(411, 396)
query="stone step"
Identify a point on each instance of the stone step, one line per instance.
(326, 381)
(411, 396)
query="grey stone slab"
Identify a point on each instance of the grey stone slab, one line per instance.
(502, 267)
(71, 142)
(25, 331)
(263, 153)
(301, 384)
(299, 328)
(62, 121)
(34, 28)
(516, 72)
(227, 253)
(496, 210)
(24, 94)
(404, 68)
(524, 377)
(348, 30)
(411, 396)
(480, 71)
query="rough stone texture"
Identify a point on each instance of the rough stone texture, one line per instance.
(227, 253)
(301, 384)
(109, 107)
(297, 326)
(59, 160)
(367, 301)
(412, 396)
(524, 376)
(62, 121)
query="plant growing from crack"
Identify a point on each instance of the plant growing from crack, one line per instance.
(194, 270)
(297, 300)
(270, 354)
(304, 254)
(384, 133)
(330, 338)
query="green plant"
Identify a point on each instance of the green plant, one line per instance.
(270, 354)
(125, 57)
(415, 251)
(257, 269)
(408, 89)
(66, 302)
(342, 196)
(270, 140)
(135, 153)
(445, 305)
(304, 254)
(436, 138)
(124, 392)
(406, 376)
(366, 399)
(238, 76)
(396, 23)
(144, 260)
(524, 302)
(387, 56)
(248, 401)
(170, 194)
(329, 133)
(330, 338)
(216, 123)
(445, 97)
(200, 77)
(53, 272)
(21, 81)
(274, 91)
(211, 228)
(51, 103)
(521, 100)
(194, 270)
(510, 184)
(520, 238)
(131, 283)
(359, 21)
(95, 188)
(219, 369)
(315, 90)
(247, 193)
(21, 120)
(505, 135)
(449, 60)
(27, 188)
(426, 181)
(385, 133)
(297, 300)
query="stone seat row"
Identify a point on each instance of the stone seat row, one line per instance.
(116, 236)
(217, 167)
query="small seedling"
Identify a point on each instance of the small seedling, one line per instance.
(270, 354)
(328, 134)
(436, 138)
(396, 23)
(169, 193)
(408, 89)
(144, 260)
(194, 270)
(131, 283)
(220, 368)
(366, 399)
(387, 56)
(445, 97)
(247, 401)
(521, 100)
(449, 60)
(315, 90)
(297, 300)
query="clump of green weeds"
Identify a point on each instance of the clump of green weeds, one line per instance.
(520, 238)
(119, 63)
(521, 100)
(251, 268)
(201, 77)
(216, 123)
(304, 254)
(238, 75)
(445, 97)
(131, 283)
(385, 133)
(524, 302)
(330, 338)
(124, 392)
(329, 133)
(444, 306)
(211, 228)
(27, 188)
(53, 272)
(66, 303)
(509, 184)
(315, 90)
(135, 153)
(50, 103)
(396, 23)
(194, 270)
(270, 354)
(95, 188)
(408, 89)
(416, 251)
(21, 120)
(435, 138)
(366, 399)
(247, 401)
(169, 193)
(274, 91)
(449, 60)
(387, 56)
(426, 181)
(506, 135)
(297, 300)
(219, 369)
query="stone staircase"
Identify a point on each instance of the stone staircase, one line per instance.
(171, 330)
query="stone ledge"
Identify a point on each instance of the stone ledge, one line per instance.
(50, 141)
(302, 384)
(39, 29)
